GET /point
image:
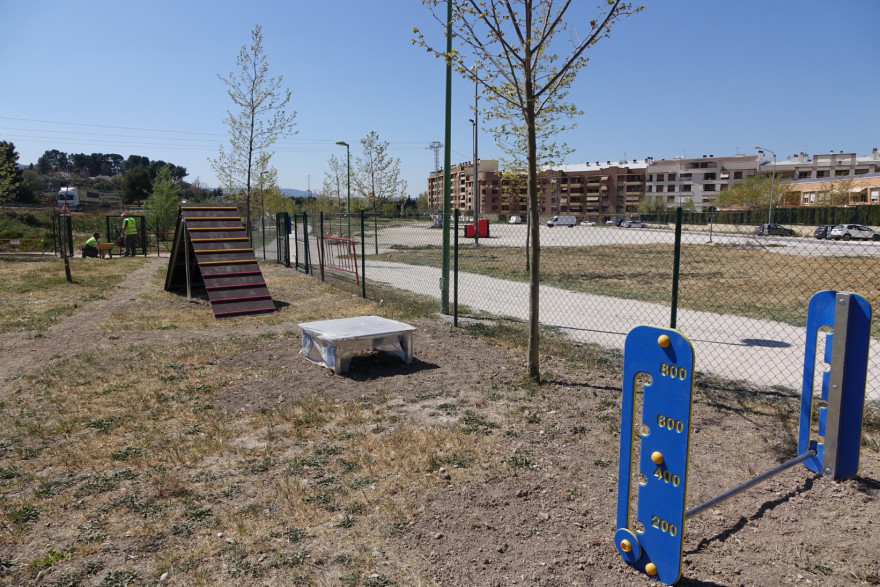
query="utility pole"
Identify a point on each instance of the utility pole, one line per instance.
(436, 146)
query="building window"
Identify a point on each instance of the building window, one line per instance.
(686, 187)
(659, 188)
(875, 195)
(709, 177)
(709, 187)
(737, 175)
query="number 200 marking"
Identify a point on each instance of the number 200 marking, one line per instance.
(663, 525)
(673, 371)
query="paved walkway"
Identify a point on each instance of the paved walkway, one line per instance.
(762, 352)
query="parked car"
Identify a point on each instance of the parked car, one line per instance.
(773, 230)
(633, 224)
(854, 231)
(588, 223)
(515, 220)
(823, 231)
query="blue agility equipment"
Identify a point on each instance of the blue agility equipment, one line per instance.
(843, 386)
(666, 355)
(668, 358)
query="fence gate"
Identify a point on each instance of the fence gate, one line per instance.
(282, 238)
(301, 241)
(62, 235)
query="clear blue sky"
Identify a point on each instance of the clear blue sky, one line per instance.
(685, 77)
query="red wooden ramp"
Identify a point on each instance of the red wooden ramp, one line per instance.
(212, 242)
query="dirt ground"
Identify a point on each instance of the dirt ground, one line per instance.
(544, 514)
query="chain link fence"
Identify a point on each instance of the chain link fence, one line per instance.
(741, 297)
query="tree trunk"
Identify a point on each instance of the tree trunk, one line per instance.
(534, 221)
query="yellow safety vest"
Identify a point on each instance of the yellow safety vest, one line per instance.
(92, 242)
(129, 226)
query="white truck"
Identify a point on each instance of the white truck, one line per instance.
(75, 197)
(568, 221)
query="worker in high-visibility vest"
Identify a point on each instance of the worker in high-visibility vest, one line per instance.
(90, 248)
(129, 234)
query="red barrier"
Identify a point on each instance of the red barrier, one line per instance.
(338, 253)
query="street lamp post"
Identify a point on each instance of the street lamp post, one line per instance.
(348, 167)
(772, 182)
(476, 164)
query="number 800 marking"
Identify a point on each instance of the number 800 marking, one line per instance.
(673, 371)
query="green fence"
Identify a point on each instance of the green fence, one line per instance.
(741, 298)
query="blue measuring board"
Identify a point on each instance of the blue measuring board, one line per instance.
(849, 316)
(668, 358)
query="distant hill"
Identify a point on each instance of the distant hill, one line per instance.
(292, 193)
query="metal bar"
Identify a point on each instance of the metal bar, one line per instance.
(752, 482)
(321, 246)
(214, 228)
(676, 264)
(184, 233)
(836, 378)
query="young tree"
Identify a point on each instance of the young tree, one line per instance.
(261, 119)
(163, 204)
(526, 77)
(753, 192)
(335, 182)
(10, 174)
(376, 174)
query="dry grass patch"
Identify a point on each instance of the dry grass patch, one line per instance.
(35, 293)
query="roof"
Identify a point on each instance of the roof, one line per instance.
(833, 179)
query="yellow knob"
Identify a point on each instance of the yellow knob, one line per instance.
(657, 457)
(625, 546)
(651, 569)
(664, 341)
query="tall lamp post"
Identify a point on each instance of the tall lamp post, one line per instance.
(772, 182)
(348, 167)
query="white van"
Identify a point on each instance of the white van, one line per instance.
(568, 221)
(515, 220)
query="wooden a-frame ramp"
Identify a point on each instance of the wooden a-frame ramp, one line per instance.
(211, 251)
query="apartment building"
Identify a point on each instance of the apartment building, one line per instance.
(584, 190)
(696, 183)
(827, 166)
(599, 190)
(462, 187)
(614, 188)
(832, 179)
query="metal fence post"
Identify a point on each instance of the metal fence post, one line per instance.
(363, 259)
(455, 273)
(676, 262)
(321, 251)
